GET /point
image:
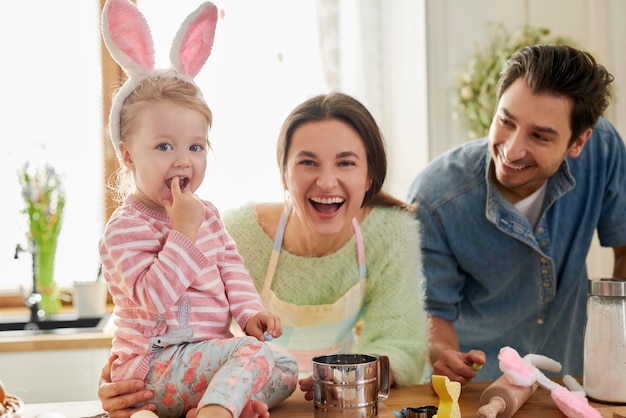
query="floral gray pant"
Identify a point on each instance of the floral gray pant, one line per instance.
(196, 374)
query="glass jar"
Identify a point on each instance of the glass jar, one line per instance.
(604, 378)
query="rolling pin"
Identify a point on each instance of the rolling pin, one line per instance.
(501, 399)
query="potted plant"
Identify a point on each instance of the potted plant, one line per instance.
(44, 198)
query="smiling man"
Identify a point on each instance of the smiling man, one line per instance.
(507, 221)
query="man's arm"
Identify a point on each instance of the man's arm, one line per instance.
(619, 268)
(445, 357)
(443, 337)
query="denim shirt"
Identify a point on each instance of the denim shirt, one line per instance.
(501, 282)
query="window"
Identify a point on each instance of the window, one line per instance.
(52, 99)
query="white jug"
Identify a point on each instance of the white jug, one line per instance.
(604, 378)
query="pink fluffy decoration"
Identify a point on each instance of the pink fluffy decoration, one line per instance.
(573, 404)
(521, 372)
(515, 368)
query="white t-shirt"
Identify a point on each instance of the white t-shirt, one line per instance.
(531, 206)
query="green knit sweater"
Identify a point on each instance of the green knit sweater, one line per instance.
(394, 320)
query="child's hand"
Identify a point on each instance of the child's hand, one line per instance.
(264, 322)
(185, 210)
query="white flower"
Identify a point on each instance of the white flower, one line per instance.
(466, 93)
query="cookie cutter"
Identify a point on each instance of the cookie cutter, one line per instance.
(426, 411)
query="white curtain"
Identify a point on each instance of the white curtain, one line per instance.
(375, 50)
(350, 48)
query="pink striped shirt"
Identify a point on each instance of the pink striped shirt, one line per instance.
(168, 289)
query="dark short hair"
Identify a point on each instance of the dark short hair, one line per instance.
(562, 70)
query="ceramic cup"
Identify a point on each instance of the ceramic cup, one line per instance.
(349, 385)
(90, 298)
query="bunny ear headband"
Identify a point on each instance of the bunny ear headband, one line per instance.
(127, 37)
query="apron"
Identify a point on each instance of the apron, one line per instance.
(313, 330)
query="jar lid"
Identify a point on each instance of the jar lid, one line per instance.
(614, 286)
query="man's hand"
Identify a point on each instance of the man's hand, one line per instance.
(445, 357)
(118, 398)
(459, 367)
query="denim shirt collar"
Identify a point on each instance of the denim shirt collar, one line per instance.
(503, 214)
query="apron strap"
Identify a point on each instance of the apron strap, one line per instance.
(360, 248)
(278, 242)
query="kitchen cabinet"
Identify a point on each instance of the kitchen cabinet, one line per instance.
(53, 375)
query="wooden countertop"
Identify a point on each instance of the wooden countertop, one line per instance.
(539, 405)
(53, 341)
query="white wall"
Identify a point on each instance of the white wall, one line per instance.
(455, 28)
(405, 114)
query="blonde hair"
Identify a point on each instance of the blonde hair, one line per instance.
(151, 90)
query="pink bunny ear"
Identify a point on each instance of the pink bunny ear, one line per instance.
(573, 404)
(127, 37)
(194, 40)
(517, 371)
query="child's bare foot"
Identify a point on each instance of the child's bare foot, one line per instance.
(255, 409)
(144, 414)
(213, 411)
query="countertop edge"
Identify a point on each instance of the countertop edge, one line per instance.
(85, 340)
